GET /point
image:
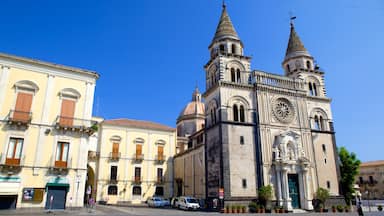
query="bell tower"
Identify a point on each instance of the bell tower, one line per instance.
(298, 63)
(227, 61)
(229, 121)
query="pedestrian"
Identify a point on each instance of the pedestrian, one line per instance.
(360, 209)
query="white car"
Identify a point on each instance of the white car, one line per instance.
(188, 203)
(157, 202)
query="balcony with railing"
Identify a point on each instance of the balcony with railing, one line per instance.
(76, 124)
(114, 156)
(11, 165)
(159, 159)
(60, 166)
(136, 179)
(138, 158)
(113, 180)
(159, 180)
(272, 80)
(19, 117)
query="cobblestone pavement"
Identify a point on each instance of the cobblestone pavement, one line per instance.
(144, 211)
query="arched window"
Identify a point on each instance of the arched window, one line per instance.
(242, 117)
(238, 75)
(310, 89)
(317, 123)
(308, 65)
(213, 117)
(112, 190)
(136, 190)
(234, 49)
(222, 48)
(288, 68)
(314, 89)
(233, 75)
(235, 113)
(321, 123)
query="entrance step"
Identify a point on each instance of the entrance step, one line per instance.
(299, 211)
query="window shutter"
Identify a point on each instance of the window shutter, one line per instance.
(115, 148)
(23, 106)
(138, 150)
(160, 151)
(67, 112)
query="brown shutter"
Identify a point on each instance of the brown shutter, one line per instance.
(138, 150)
(115, 150)
(160, 151)
(23, 106)
(67, 112)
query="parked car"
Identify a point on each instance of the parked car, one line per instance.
(157, 202)
(174, 202)
(188, 203)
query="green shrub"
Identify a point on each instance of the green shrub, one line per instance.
(380, 207)
(339, 208)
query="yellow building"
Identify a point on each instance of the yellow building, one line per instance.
(135, 161)
(45, 113)
(371, 179)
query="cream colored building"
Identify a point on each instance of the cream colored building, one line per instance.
(135, 161)
(371, 179)
(45, 120)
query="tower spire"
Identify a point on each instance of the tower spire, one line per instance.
(295, 46)
(225, 27)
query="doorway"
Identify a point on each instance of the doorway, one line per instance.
(294, 194)
(56, 197)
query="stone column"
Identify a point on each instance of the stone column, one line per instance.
(287, 199)
(308, 202)
(278, 184)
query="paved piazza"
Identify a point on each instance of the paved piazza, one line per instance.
(144, 211)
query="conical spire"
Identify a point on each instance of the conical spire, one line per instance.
(225, 27)
(295, 45)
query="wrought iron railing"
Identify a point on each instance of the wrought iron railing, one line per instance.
(20, 116)
(114, 155)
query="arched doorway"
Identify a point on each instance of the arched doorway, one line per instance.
(90, 185)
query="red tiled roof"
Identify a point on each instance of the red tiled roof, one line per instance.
(138, 124)
(373, 163)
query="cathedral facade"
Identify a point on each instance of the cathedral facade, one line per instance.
(266, 129)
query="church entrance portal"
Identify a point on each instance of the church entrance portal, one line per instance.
(293, 184)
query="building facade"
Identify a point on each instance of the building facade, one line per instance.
(266, 129)
(371, 180)
(45, 120)
(135, 161)
(189, 161)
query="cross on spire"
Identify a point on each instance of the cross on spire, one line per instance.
(291, 17)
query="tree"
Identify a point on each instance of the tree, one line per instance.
(322, 195)
(265, 194)
(349, 168)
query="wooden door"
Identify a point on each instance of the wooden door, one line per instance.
(23, 107)
(67, 112)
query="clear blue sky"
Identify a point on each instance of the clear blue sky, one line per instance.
(150, 53)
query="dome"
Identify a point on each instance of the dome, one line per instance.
(194, 109)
